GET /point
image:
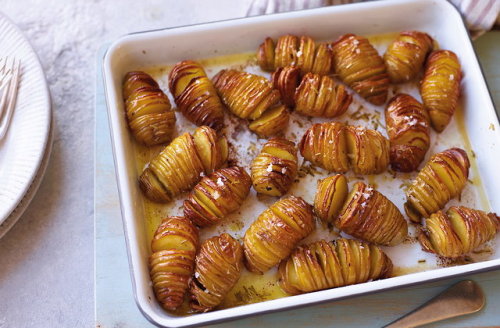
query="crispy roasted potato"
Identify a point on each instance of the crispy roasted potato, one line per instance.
(440, 88)
(149, 113)
(408, 127)
(442, 178)
(405, 56)
(172, 263)
(217, 195)
(357, 63)
(182, 164)
(458, 231)
(275, 168)
(218, 267)
(276, 232)
(195, 95)
(323, 265)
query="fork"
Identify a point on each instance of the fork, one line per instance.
(9, 81)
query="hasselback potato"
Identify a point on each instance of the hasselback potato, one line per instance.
(276, 232)
(149, 113)
(440, 88)
(442, 178)
(252, 97)
(246, 95)
(172, 262)
(408, 128)
(218, 266)
(405, 56)
(195, 95)
(323, 265)
(313, 95)
(291, 50)
(358, 64)
(336, 147)
(325, 145)
(275, 168)
(274, 121)
(363, 213)
(217, 195)
(458, 231)
(179, 166)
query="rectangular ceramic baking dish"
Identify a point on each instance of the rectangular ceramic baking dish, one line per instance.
(167, 46)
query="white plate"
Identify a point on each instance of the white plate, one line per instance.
(163, 47)
(23, 148)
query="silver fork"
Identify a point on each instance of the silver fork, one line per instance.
(9, 82)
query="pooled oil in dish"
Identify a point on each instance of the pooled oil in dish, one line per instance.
(251, 288)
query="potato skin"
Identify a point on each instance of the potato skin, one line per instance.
(181, 164)
(358, 64)
(276, 232)
(442, 178)
(218, 267)
(246, 95)
(321, 96)
(275, 168)
(172, 262)
(149, 114)
(408, 127)
(370, 216)
(325, 145)
(217, 195)
(406, 55)
(336, 147)
(440, 88)
(322, 265)
(291, 50)
(458, 231)
(195, 95)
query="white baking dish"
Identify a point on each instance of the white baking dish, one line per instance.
(162, 47)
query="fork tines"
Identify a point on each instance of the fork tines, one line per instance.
(9, 81)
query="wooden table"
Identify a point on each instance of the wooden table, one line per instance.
(114, 298)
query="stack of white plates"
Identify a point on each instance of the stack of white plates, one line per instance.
(25, 150)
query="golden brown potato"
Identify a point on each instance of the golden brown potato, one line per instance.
(275, 168)
(440, 87)
(408, 127)
(172, 262)
(459, 231)
(218, 267)
(286, 80)
(370, 216)
(367, 149)
(330, 197)
(291, 50)
(442, 178)
(195, 95)
(246, 95)
(217, 195)
(336, 147)
(323, 265)
(325, 145)
(182, 164)
(321, 96)
(405, 56)
(149, 113)
(359, 65)
(276, 232)
(273, 122)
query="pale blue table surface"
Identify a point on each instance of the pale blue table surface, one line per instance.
(115, 302)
